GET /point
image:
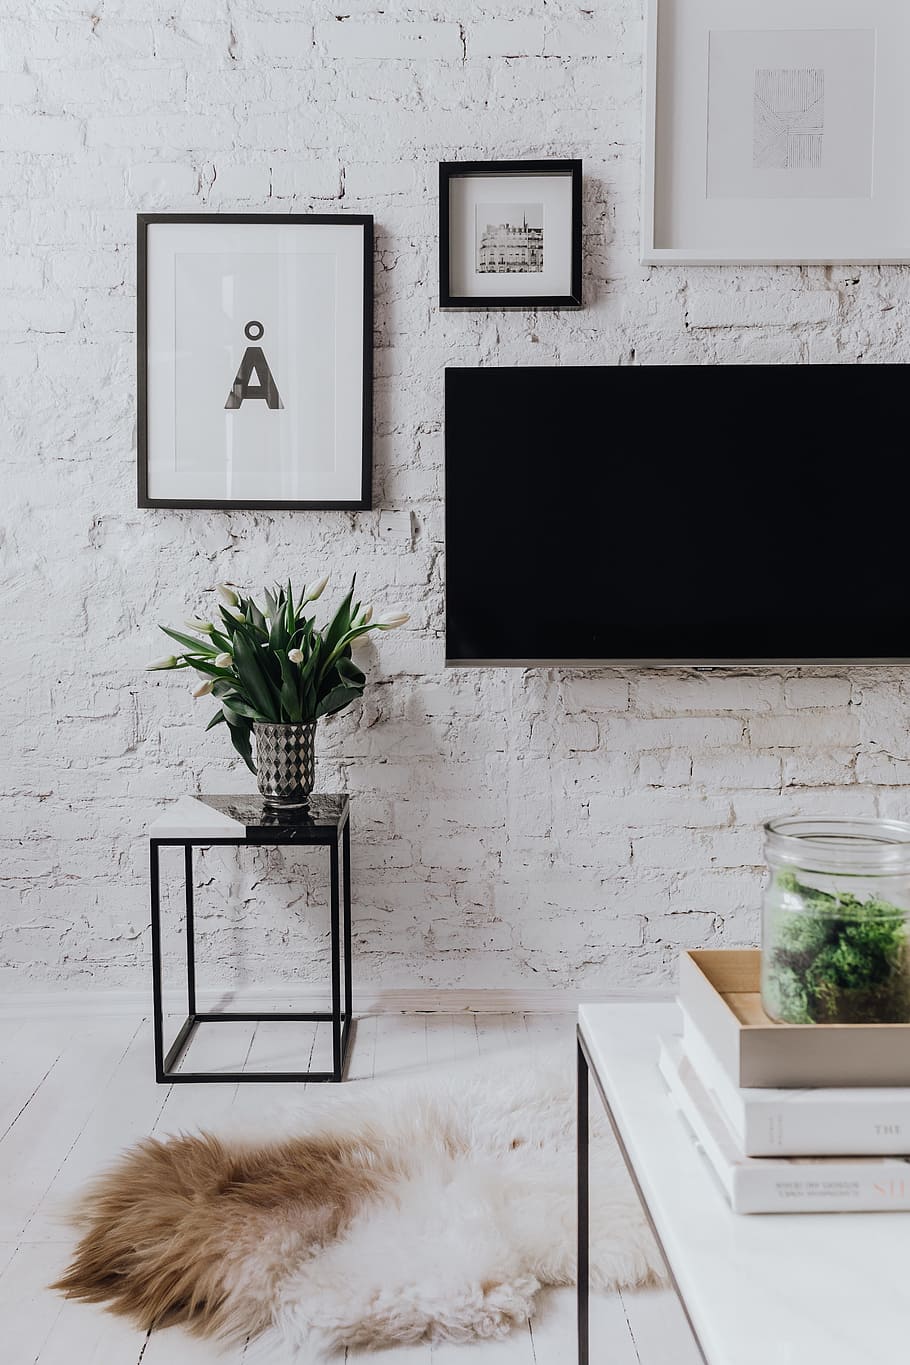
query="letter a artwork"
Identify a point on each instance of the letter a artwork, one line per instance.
(254, 362)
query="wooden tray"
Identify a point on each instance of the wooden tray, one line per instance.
(720, 993)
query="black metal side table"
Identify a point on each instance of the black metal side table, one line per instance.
(244, 821)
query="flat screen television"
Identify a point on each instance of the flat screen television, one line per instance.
(717, 514)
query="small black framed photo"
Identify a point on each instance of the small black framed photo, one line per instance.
(510, 234)
(255, 356)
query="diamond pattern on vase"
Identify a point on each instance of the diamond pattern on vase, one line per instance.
(285, 761)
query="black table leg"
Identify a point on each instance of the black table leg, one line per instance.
(346, 869)
(157, 1019)
(583, 1249)
(335, 911)
(190, 933)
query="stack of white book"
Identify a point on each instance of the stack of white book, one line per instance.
(791, 1151)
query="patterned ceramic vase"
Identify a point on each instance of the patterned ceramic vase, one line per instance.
(285, 763)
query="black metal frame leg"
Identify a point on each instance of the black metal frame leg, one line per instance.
(157, 1014)
(583, 1207)
(346, 868)
(335, 917)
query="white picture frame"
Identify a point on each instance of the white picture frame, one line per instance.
(775, 132)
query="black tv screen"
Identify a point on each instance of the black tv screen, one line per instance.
(716, 514)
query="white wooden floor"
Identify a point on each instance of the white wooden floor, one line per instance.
(74, 1093)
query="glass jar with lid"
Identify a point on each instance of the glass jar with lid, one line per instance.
(836, 921)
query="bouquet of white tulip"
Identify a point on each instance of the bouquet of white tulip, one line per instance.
(273, 665)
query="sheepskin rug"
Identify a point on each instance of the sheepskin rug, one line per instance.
(376, 1215)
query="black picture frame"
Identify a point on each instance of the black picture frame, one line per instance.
(450, 170)
(364, 501)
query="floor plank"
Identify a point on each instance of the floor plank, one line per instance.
(553, 1331)
(500, 1034)
(659, 1328)
(173, 1346)
(515, 1349)
(611, 1338)
(30, 1052)
(464, 1034)
(128, 1108)
(545, 1029)
(440, 1039)
(279, 1046)
(401, 1045)
(28, 1313)
(81, 1335)
(272, 1049)
(218, 1047)
(36, 1146)
(362, 1055)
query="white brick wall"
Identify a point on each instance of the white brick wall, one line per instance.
(510, 828)
(761, 308)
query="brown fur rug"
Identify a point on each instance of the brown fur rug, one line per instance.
(174, 1230)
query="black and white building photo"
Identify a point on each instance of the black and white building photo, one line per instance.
(509, 239)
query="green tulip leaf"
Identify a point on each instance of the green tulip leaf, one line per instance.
(209, 669)
(340, 623)
(240, 738)
(222, 641)
(242, 711)
(257, 618)
(290, 616)
(337, 700)
(350, 672)
(192, 643)
(256, 683)
(230, 625)
(290, 689)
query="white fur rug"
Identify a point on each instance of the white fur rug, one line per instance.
(471, 1212)
(481, 1217)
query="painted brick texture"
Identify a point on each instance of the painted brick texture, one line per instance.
(510, 828)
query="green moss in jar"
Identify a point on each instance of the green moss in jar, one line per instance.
(836, 959)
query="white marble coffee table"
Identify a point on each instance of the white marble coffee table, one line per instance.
(771, 1289)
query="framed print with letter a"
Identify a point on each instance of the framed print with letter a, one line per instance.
(776, 132)
(255, 350)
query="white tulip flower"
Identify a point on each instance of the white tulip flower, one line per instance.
(201, 627)
(365, 617)
(317, 589)
(168, 661)
(224, 660)
(391, 620)
(235, 612)
(204, 688)
(296, 656)
(227, 595)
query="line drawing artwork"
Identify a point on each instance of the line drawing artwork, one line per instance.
(789, 118)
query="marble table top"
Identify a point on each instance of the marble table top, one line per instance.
(762, 1289)
(248, 817)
